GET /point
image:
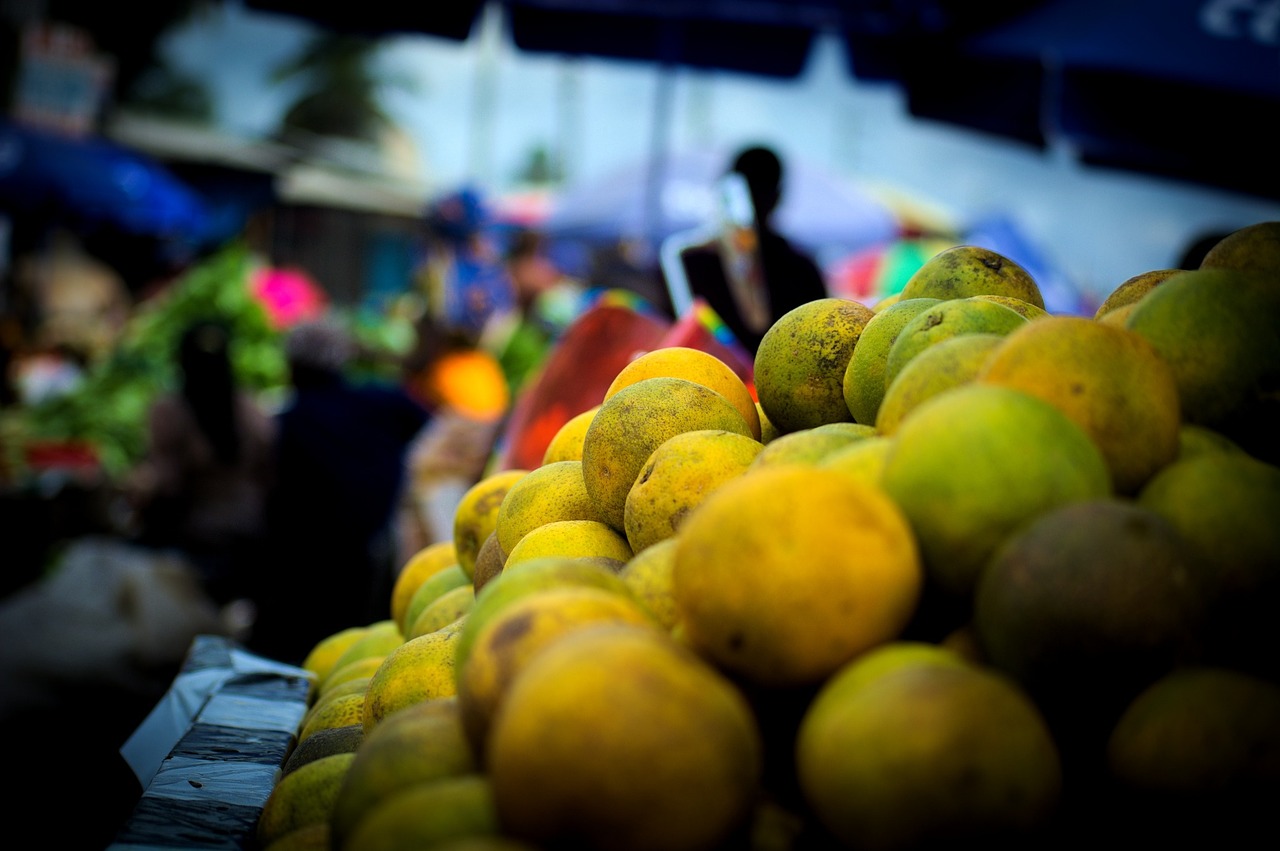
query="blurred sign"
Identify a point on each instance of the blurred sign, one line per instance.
(62, 81)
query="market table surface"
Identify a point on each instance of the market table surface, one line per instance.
(209, 754)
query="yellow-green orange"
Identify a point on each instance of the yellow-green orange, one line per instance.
(811, 445)
(769, 568)
(566, 443)
(426, 562)
(695, 365)
(442, 611)
(1200, 747)
(1219, 331)
(337, 712)
(322, 743)
(1131, 289)
(678, 476)
(518, 633)
(477, 515)
(489, 562)
(945, 364)
(309, 837)
(1252, 248)
(637, 420)
(571, 538)
(971, 465)
(927, 751)
(419, 670)
(944, 320)
(357, 669)
(319, 660)
(863, 460)
(427, 814)
(968, 270)
(552, 492)
(302, 797)
(530, 577)
(675, 755)
(864, 383)
(1085, 605)
(801, 361)
(431, 589)
(1225, 505)
(421, 743)
(1017, 305)
(1109, 381)
(648, 574)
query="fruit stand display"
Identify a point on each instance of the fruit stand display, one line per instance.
(946, 571)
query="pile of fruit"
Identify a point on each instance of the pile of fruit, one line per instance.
(959, 573)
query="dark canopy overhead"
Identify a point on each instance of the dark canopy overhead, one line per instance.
(1181, 88)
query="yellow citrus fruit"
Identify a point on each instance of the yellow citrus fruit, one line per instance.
(767, 430)
(675, 755)
(971, 465)
(426, 815)
(336, 712)
(356, 685)
(1109, 381)
(566, 443)
(546, 494)
(1225, 505)
(946, 364)
(1194, 439)
(925, 750)
(862, 460)
(968, 270)
(1252, 248)
(489, 562)
(423, 742)
(431, 589)
(319, 661)
(1131, 289)
(477, 515)
(636, 420)
(864, 383)
(427, 561)
(309, 837)
(695, 365)
(801, 362)
(421, 669)
(1197, 754)
(322, 743)
(943, 321)
(380, 638)
(1086, 605)
(357, 669)
(302, 797)
(572, 538)
(648, 574)
(518, 633)
(443, 610)
(678, 476)
(1025, 308)
(530, 577)
(769, 568)
(811, 445)
(1219, 331)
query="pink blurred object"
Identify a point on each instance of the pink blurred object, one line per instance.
(289, 295)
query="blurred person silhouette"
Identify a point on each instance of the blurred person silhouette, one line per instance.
(466, 277)
(546, 303)
(750, 274)
(340, 469)
(202, 485)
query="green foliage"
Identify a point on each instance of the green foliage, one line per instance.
(109, 408)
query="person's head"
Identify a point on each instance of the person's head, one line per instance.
(318, 352)
(208, 382)
(763, 172)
